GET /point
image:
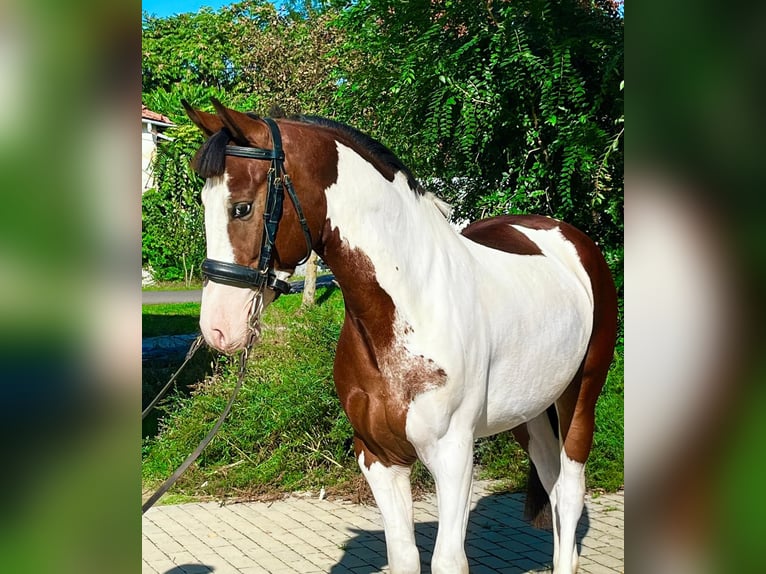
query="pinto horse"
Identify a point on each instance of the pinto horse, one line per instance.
(447, 336)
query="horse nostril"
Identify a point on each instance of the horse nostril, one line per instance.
(218, 339)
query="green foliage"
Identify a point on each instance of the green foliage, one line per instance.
(172, 231)
(500, 107)
(189, 49)
(248, 55)
(286, 57)
(605, 467)
(500, 457)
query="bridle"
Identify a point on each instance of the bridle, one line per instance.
(264, 275)
(260, 278)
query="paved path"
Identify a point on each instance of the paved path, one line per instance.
(180, 296)
(195, 295)
(303, 535)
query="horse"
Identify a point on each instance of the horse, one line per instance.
(448, 336)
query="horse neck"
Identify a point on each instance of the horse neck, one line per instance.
(381, 232)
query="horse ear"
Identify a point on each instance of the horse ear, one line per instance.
(208, 123)
(234, 122)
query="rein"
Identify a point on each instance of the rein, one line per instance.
(278, 182)
(255, 333)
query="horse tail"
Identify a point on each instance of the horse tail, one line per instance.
(537, 508)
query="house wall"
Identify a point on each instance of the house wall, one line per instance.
(148, 147)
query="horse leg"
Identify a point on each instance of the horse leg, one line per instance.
(570, 499)
(391, 488)
(544, 449)
(576, 410)
(450, 460)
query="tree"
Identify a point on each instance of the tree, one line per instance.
(189, 49)
(287, 59)
(498, 106)
(310, 282)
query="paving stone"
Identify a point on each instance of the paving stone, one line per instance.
(309, 536)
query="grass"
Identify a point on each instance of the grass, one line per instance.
(287, 430)
(170, 319)
(173, 286)
(605, 465)
(275, 439)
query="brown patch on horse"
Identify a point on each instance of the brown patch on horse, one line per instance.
(247, 181)
(578, 438)
(316, 171)
(497, 233)
(375, 376)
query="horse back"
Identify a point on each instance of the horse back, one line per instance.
(516, 234)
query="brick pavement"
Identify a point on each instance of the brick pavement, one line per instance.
(306, 535)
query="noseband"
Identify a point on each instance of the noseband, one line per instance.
(264, 275)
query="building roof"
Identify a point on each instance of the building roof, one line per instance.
(148, 114)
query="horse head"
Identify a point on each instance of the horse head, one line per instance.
(264, 209)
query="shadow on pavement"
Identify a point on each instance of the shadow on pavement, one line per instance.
(497, 540)
(190, 569)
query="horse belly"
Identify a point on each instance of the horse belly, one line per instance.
(534, 358)
(512, 401)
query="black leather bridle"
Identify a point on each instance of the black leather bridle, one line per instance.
(263, 276)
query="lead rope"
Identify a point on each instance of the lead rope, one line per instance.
(189, 354)
(254, 327)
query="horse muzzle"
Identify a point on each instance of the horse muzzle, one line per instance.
(226, 316)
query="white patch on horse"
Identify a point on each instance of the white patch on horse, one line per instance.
(225, 308)
(569, 499)
(398, 230)
(553, 243)
(509, 331)
(216, 198)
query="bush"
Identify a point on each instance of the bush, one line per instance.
(172, 227)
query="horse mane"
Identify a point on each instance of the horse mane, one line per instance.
(210, 160)
(368, 143)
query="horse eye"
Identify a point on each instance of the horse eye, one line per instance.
(241, 210)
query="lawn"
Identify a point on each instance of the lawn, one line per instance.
(170, 319)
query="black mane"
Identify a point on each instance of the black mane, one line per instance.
(210, 160)
(373, 146)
